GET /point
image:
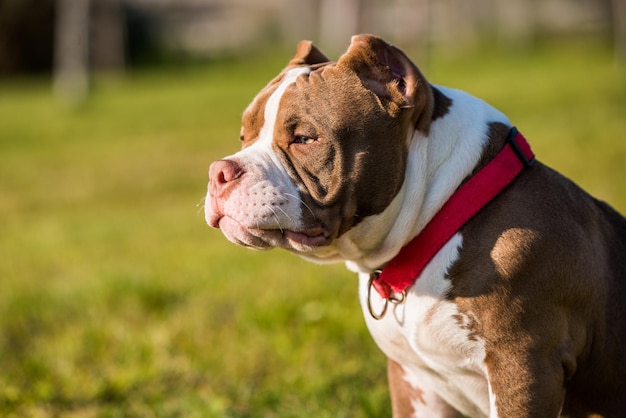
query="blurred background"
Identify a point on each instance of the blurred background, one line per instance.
(116, 299)
(47, 35)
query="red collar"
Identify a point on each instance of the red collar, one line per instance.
(404, 269)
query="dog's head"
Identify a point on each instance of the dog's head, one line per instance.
(324, 147)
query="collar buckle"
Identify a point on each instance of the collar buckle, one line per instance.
(511, 140)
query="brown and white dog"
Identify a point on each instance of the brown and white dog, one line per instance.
(521, 312)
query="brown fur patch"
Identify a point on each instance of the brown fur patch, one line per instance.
(442, 104)
(402, 394)
(496, 135)
(307, 54)
(339, 171)
(534, 269)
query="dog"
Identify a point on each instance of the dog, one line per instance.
(495, 286)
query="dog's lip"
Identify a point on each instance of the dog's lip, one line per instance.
(300, 239)
(311, 237)
(214, 220)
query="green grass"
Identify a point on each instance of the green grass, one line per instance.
(117, 300)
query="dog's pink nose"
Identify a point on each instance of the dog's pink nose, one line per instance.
(223, 174)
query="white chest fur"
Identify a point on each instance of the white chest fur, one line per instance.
(425, 335)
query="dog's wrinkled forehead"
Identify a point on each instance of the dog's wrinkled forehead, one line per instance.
(370, 68)
(259, 118)
(307, 58)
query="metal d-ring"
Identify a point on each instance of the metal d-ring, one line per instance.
(395, 298)
(382, 313)
(398, 298)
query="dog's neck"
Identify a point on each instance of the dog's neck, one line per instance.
(436, 166)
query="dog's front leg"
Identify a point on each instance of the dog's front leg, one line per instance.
(409, 399)
(522, 386)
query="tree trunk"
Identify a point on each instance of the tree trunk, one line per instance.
(71, 50)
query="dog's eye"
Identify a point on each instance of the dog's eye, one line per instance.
(303, 139)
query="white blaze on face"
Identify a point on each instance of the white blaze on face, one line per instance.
(262, 147)
(271, 107)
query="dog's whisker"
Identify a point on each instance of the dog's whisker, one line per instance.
(280, 228)
(286, 214)
(299, 199)
(200, 205)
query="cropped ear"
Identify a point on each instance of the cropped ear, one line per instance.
(391, 75)
(307, 54)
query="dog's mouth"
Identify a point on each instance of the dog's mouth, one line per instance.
(313, 237)
(304, 240)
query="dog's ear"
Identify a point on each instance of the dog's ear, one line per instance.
(307, 54)
(391, 75)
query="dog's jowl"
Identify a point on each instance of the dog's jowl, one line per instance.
(495, 286)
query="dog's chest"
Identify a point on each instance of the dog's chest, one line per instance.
(431, 339)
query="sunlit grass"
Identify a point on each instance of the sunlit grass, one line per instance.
(117, 300)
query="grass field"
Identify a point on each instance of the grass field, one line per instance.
(117, 300)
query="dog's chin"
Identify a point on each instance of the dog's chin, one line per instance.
(301, 242)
